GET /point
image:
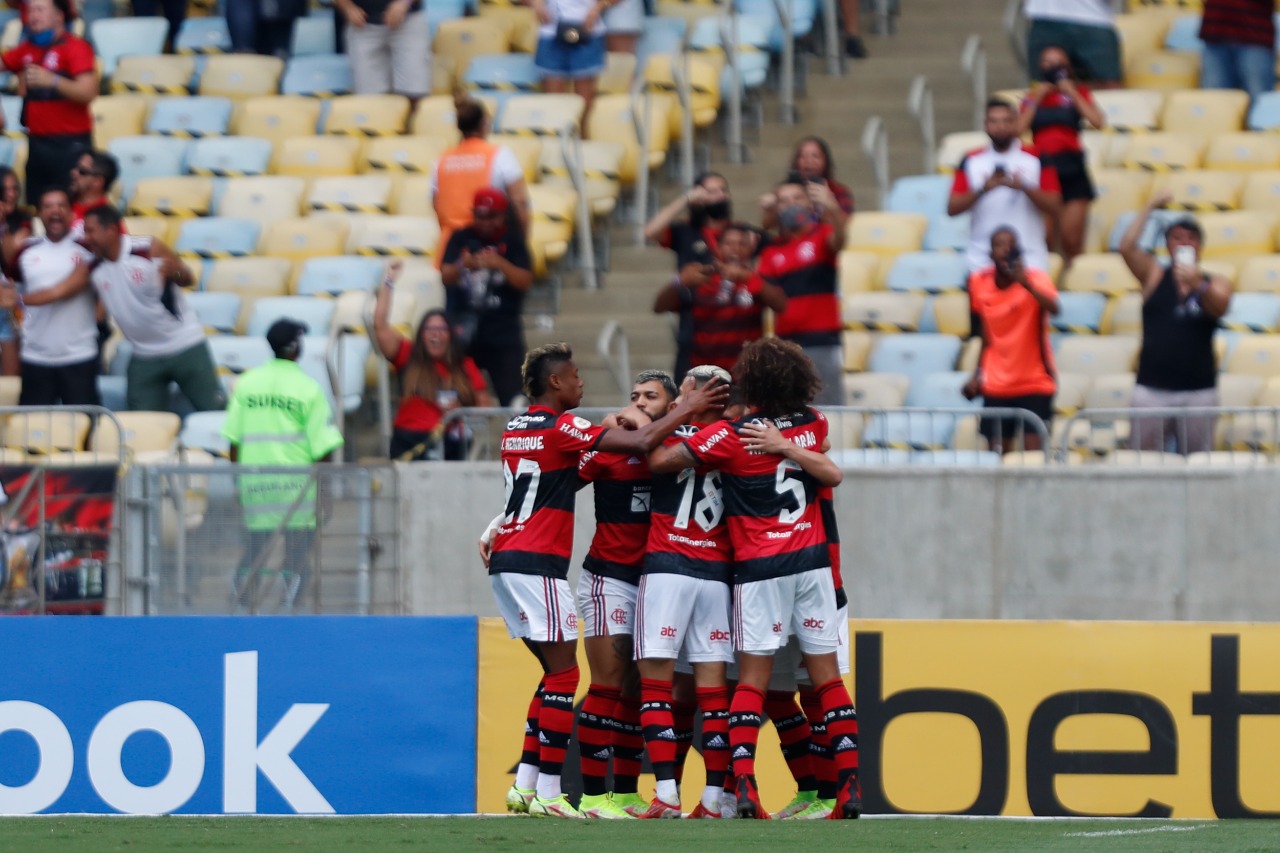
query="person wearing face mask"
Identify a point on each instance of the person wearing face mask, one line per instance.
(812, 163)
(1005, 184)
(802, 262)
(696, 241)
(1052, 111)
(57, 79)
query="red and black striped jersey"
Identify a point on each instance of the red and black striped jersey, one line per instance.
(687, 530)
(725, 317)
(622, 493)
(540, 453)
(771, 504)
(826, 498)
(805, 267)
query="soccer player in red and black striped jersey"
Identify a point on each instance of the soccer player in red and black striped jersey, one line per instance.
(772, 463)
(609, 723)
(529, 557)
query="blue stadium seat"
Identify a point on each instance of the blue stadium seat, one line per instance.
(8, 147)
(318, 75)
(909, 430)
(438, 13)
(147, 157)
(940, 391)
(114, 392)
(238, 353)
(1152, 234)
(203, 35)
(348, 360)
(229, 156)
(116, 37)
(925, 194)
(11, 105)
(1253, 312)
(1184, 34)
(915, 355)
(1265, 112)
(754, 40)
(928, 271)
(190, 117)
(661, 35)
(865, 457)
(218, 237)
(803, 14)
(217, 312)
(313, 35)
(339, 274)
(1081, 313)
(317, 314)
(203, 431)
(947, 233)
(500, 76)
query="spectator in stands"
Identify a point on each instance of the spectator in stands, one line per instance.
(471, 165)
(15, 227)
(725, 310)
(1086, 28)
(174, 11)
(571, 46)
(263, 26)
(810, 163)
(435, 379)
(1005, 184)
(851, 21)
(802, 261)
(92, 177)
(57, 79)
(1239, 45)
(486, 273)
(1052, 112)
(389, 46)
(1181, 306)
(1010, 304)
(696, 241)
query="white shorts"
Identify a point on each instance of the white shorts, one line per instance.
(789, 671)
(676, 612)
(607, 605)
(535, 607)
(766, 613)
(625, 17)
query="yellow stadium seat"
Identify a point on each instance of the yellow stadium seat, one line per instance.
(1262, 191)
(436, 117)
(1070, 395)
(1162, 69)
(1236, 390)
(1130, 109)
(876, 390)
(883, 311)
(859, 271)
(969, 355)
(154, 75)
(1141, 33)
(46, 432)
(118, 115)
(619, 72)
(250, 279)
(460, 39)
(317, 156)
(955, 146)
(277, 117)
(1162, 152)
(1245, 151)
(612, 120)
(857, 350)
(1260, 273)
(1205, 111)
(704, 84)
(1104, 273)
(395, 236)
(1119, 191)
(182, 197)
(241, 75)
(358, 194)
(1097, 148)
(411, 196)
(367, 115)
(1123, 315)
(951, 313)
(601, 165)
(443, 80)
(541, 115)
(265, 198)
(1097, 355)
(158, 227)
(887, 234)
(527, 150)
(554, 210)
(691, 12)
(1235, 235)
(1201, 190)
(520, 24)
(139, 432)
(1255, 355)
(401, 154)
(299, 239)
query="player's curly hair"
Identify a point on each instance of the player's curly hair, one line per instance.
(539, 364)
(776, 377)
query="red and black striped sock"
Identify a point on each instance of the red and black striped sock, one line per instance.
(744, 728)
(529, 752)
(628, 745)
(682, 715)
(658, 726)
(714, 702)
(842, 727)
(555, 722)
(595, 735)
(794, 736)
(819, 744)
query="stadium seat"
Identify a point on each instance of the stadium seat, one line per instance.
(661, 35)
(240, 75)
(886, 234)
(883, 311)
(947, 234)
(357, 194)
(299, 239)
(139, 432)
(914, 356)
(1130, 109)
(347, 362)
(1152, 236)
(1236, 235)
(704, 84)
(1140, 31)
(316, 314)
(40, 433)
(154, 75)
(1262, 191)
(601, 163)
(1081, 313)
(858, 271)
(313, 35)
(1162, 69)
(229, 156)
(401, 154)
(367, 115)
(1162, 152)
(1070, 394)
(876, 390)
(147, 157)
(114, 37)
(250, 279)
(463, 38)
(1124, 314)
(1201, 190)
(541, 115)
(317, 156)
(1252, 312)
(263, 198)
(1205, 111)
(218, 313)
(114, 116)
(955, 146)
(1184, 34)
(1098, 146)
(1264, 114)
(352, 307)
(395, 236)
(411, 196)
(1119, 191)
(951, 314)
(203, 431)
(190, 117)
(857, 348)
(942, 390)
(926, 194)
(519, 22)
(870, 457)
(611, 120)
(203, 35)
(183, 197)
(218, 237)
(958, 458)
(1244, 150)
(277, 117)
(160, 228)
(236, 354)
(1096, 355)
(436, 117)
(619, 73)
(927, 271)
(1260, 273)
(503, 74)
(527, 151)
(909, 430)
(334, 275)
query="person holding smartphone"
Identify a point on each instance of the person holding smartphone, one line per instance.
(1010, 304)
(1181, 307)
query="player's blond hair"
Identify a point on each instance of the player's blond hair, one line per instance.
(539, 364)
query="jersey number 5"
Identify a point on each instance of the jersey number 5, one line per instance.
(784, 486)
(709, 510)
(522, 490)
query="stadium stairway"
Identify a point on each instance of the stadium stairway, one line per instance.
(929, 39)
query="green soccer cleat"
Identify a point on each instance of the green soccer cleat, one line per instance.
(559, 807)
(817, 810)
(601, 807)
(633, 804)
(518, 799)
(801, 802)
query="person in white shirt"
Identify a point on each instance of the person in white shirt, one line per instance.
(1005, 186)
(1085, 29)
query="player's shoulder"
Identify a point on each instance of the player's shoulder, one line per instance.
(533, 419)
(576, 426)
(711, 435)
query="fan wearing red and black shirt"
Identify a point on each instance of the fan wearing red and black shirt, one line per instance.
(802, 261)
(57, 79)
(772, 463)
(529, 558)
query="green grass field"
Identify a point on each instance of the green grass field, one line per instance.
(426, 835)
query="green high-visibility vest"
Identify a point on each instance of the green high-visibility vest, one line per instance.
(278, 415)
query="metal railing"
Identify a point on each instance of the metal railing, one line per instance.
(875, 144)
(571, 148)
(642, 120)
(1233, 434)
(973, 61)
(787, 65)
(920, 105)
(382, 371)
(1015, 27)
(613, 337)
(737, 151)
(831, 37)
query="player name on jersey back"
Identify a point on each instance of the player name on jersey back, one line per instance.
(687, 530)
